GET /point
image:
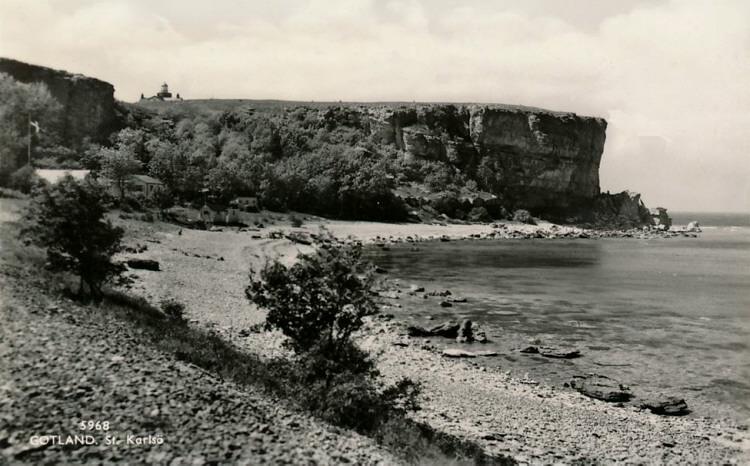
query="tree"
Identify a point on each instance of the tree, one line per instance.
(19, 103)
(118, 164)
(318, 303)
(320, 300)
(68, 219)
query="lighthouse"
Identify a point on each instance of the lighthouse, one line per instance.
(164, 94)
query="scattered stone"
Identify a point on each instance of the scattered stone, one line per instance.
(388, 294)
(445, 304)
(669, 406)
(417, 331)
(601, 387)
(379, 269)
(145, 264)
(487, 354)
(457, 299)
(458, 353)
(530, 350)
(416, 289)
(559, 353)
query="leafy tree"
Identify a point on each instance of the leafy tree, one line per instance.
(320, 300)
(23, 179)
(68, 219)
(318, 303)
(20, 102)
(118, 164)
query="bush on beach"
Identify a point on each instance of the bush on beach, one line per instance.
(523, 216)
(319, 303)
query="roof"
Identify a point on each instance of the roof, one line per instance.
(53, 176)
(144, 179)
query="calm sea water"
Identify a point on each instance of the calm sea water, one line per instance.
(662, 316)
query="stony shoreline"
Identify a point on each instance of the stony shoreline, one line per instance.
(503, 412)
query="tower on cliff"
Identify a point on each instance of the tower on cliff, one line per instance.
(163, 94)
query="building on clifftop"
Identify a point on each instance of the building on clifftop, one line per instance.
(163, 95)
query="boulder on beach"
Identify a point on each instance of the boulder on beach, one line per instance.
(416, 289)
(559, 353)
(458, 353)
(417, 331)
(145, 264)
(447, 329)
(445, 304)
(667, 406)
(530, 350)
(693, 227)
(601, 387)
(465, 334)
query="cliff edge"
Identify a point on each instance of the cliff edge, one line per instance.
(88, 103)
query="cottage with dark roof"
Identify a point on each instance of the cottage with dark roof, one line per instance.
(137, 184)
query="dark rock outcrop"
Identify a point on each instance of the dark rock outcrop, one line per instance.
(145, 264)
(669, 406)
(547, 160)
(89, 108)
(622, 210)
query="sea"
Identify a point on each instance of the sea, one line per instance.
(667, 316)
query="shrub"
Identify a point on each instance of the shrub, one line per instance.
(173, 308)
(23, 179)
(479, 214)
(68, 220)
(136, 201)
(320, 300)
(318, 303)
(523, 216)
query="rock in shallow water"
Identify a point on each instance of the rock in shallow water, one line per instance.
(602, 388)
(458, 353)
(669, 406)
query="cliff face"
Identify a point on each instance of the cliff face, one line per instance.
(546, 160)
(88, 103)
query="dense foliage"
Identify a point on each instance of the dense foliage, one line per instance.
(327, 161)
(19, 104)
(68, 220)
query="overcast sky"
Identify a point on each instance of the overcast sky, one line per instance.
(672, 78)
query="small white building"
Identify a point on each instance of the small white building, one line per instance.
(245, 203)
(219, 213)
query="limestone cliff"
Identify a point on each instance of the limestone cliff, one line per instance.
(88, 103)
(547, 160)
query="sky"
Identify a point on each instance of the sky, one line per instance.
(671, 77)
